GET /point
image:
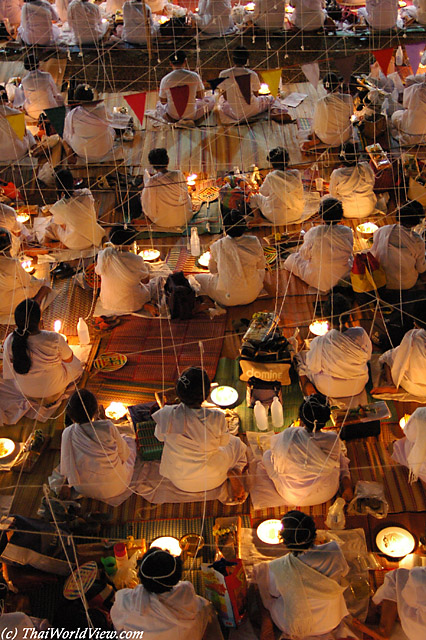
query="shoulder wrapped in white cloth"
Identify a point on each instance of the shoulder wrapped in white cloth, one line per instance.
(408, 362)
(411, 450)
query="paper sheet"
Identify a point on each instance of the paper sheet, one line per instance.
(294, 99)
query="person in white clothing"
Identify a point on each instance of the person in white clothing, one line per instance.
(410, 123)
(10, 14)
(214, 17)
(326, 255)
(181, 94)
(96, 460)
(237, 266)
(301, 591)
(381, 15)
(165, 199)
(12, 148)
(353, 184)
(332, 116)
(305, 464)
(268, 14)
(137, 18)
(308, 15)
(162, 607)
(37, 26)
(86, 23)
(280, 199)
(403, 594)
(61, 7)
(199, 453)
(410, 451)
(17, 230)
(40, 363)
(37, 91)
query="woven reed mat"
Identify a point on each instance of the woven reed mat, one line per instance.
(207, 220)
(72, 303)
(179, 258)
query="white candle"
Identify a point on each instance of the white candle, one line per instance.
(116, 410)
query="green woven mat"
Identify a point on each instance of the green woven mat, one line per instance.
(149, 448)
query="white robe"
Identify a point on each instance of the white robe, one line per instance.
(78, 214)
(195, 107)
(280, 198)
(214, 16)
(134, 22)
(353, 186)
(381, 14)
(303, 593)
(406, 587)
(11, 147)
(336, 363)
(16, 285)
(235, 106)
(165, 199)
(198, 449)
(39, 92)
(269, 14)
(11, 10)
(9, 222)
(411, 450)
(178, 614)
(332, 119)
(309, 15)
(408, 362)
(306, 468)
(401, 253)
(97, 461)
(89, 130)
(237, 270)
(36, 23)
(85, 20)
(121, 275)
(325, 257)
(411, 122)
(49, 375)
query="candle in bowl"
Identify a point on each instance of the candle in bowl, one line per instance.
(319, 327)
(7, 446)
(167, 543)
(264, 89)
(366, 229)
(204, 259)
(395, 542)
(403, 422)
(163, 19)
(27, 265)
(224, 396)
(57, 326)
(250, 6)
(150, 255)
(22, 217)
(268, 531)
(190, 181)
(116, 411)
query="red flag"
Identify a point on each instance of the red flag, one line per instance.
(244, 85)
(383, 57)
(180, 97)
(136, 101)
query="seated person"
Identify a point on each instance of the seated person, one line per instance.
(135, 20)
(268, 14)
(280, 199)
(199, 453)
(301, 590)
(240, 100)
(332, 116)
(326, 255)
(96, 460)
(214, 17)
(85, 21)
(163, 606)
(89, 129)
(16, 229)
(74, 216)
(306, 464)
(181, 94)
(10, 15)
(38, 90)
(336, 363)
(308, 15)
(12, 147)
(36, 23)
(410, 451)
(403, 594)
(40, 363)
(410, 122)
(353, 184)
(16, 284)
(237, 266)
(380, 15)
(165, 199)
(400, 250)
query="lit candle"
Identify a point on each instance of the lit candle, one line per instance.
(163, 19)
(264, 89)
(405, 418)
(191, 179)
(268, 531)
(395, 542)
(22, 217)
(204, 259)
(167, 543)
(27, 265)
(250, 6)
(150, 255)
(116, 411)
(319, 327)
(367, 228)
(224, 396)
(57, 326)
(6, 447)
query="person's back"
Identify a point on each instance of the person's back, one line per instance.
(36, 23)
(269, 14)
(40, 93)
(214, 16)
(382, 14)
(237, 104)
(332, 118)
(285, 199)
(135, 21)
(354, 187)
(407, 362)
(181, 78)
(121, 274)
(309, 15)
(88, 131)
(410, 450)
(401, 253)
(413, 120)
(85, 21)
(165, 199)
(78, 215)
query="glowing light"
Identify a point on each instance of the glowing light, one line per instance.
(319, 327)
(23, 217)
(224, 396)
(191, 179)
(163, 19)
(403, 422)
(204, 259)
(104, 20)
(264, 89)
(6, 447)
(116, 411)
(57, 326)
(250, 6)
(395, 542)
(289, 9)
(167, 543)
(367, 228)
(402, 4)
(268, 531)
(27, 265)
(150, 255)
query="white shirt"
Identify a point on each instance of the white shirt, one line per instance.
(332, 118)
(85, 20)
(214, 16)
(40, 92)
(269, 14)
(401, 253)
(308, 15)
(36, 23)
(134, 27)
(78, 215)
(121, 274)
(382, 14)
(89, 130)
(11, 10)
(353, 186)
(282, 200)
(237, 104)
(413, 120)
(165, 199)
(180, 78)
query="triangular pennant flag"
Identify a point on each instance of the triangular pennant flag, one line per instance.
(180, 97)
(56, 116)
(383, 57)
(244, 84)
(414, 53)
(17, 122)
(345, 66)
(272, 78)
(215, 83)
(312, 72)
(136, 101)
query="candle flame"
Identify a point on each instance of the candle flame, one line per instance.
(319, 327)
(57, 326)
(191, 179)
(403, 422)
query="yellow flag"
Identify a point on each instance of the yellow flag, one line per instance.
(17, 122)
(272, 78)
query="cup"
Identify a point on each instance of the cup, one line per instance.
(110, 565)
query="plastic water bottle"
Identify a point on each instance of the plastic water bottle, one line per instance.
(195, 242)
(336, 516)
(277, 413)
(83, 331)
(399, 57)
(261, 416)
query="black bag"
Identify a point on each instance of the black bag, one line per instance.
(173, 27)
(180, 297)
(263, 391)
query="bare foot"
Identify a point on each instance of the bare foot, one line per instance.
(152, 309)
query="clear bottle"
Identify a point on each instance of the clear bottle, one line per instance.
(399, 57)
(277, 413)
(83, 331)
(195, 242)
(261, 416)
(336, 515)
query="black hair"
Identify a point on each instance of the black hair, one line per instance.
(27, 320)
(349, 154)
(83, 93)
(337, 307)
(240, 55)
(3, 94)
(298, 532)
(64, 181)
(331, 81)
(31, 62)
(410, 214)
(82, 406)
(314, 412)
(119, 235)
(279, 158)
(158, 158)
(159, 571)
(419, 313)
(178, 58)
(4, 239)
(331, 210)
(235, 224)
(193, 386)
